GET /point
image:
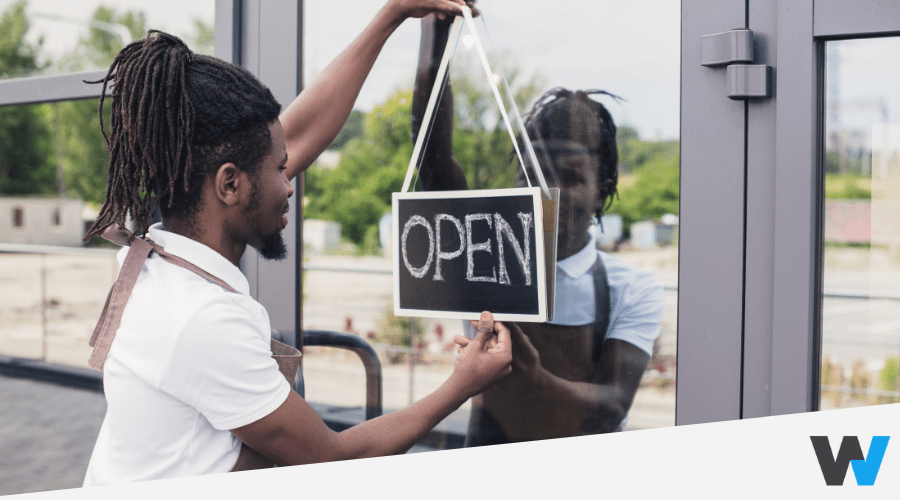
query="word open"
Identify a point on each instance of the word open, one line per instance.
(502, 231)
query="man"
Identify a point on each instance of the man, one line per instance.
(192, 384)
(578, 373)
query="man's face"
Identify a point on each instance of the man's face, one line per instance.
(572, 167)
(268, 206)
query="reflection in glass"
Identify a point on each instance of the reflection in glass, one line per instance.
(578, 373)
(347, 281)
(861, 224)
(53, 172)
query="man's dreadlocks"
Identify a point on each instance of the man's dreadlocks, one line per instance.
(176, 117)
(563, 114)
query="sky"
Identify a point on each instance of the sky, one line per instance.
(60, 36)
(862, 82)
(630, 48)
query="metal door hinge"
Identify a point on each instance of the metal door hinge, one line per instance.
(734, 50)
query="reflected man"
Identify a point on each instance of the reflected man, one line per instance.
(578, 373)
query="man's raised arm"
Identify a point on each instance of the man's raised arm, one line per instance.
(314, 118)
(439, 170)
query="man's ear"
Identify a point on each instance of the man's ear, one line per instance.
(231, 184)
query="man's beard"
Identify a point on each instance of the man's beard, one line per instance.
(272, 247)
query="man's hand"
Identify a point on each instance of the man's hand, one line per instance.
(404, 9)
(526, 361)
(484, 360)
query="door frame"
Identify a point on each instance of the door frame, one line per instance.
(757, 310)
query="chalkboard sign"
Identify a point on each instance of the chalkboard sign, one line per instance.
(458, 253)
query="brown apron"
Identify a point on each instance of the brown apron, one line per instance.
(287, 357)
(507, 412)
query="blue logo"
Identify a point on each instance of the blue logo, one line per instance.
(865, 468)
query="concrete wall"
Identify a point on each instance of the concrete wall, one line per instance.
(321, 236)
(44, 221)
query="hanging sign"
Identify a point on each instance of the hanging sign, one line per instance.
(458, 253)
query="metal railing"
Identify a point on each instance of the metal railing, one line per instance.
(412, 354)
(838, 293)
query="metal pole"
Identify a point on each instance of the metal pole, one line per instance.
(412, 361)
(43, 308)
(57, 134)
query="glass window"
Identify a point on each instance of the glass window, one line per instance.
(54, 149)
(46, 37)
(66, 154)
(615, 153)
(861, 255)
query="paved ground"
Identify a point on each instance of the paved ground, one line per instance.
(47, 434)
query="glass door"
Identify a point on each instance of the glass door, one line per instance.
(802, 315)
(860, 323)
(616, 82)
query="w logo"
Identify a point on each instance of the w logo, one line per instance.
(834, 469)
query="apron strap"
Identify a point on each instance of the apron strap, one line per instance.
(105, 331)
(287, 357)
(602, 307)
(138, 251)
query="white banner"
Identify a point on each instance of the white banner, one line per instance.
(772, 457)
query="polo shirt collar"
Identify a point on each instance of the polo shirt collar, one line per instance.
(580, 262)
(201, 256)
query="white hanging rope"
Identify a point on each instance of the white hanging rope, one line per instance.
(432, 100)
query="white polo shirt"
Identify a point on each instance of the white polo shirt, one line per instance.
(636, 298)
(190, 361)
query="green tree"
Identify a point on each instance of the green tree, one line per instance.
(372, 166)
(26, 167)
(17, 57)
(85, 159)
(481, 143)
(649, 177)
(352, 128)
(374, 161)
(84, 156)
(889, 379)
(653, 193)
(202, 41)
(100, 47)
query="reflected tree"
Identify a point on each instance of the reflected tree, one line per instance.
(26, 166)
(374, 160)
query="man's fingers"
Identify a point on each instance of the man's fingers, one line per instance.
(454, 8)
(516, 333)
(461, 341)
(521, 342)
(485, 327)
(504, 341)
(471, 5)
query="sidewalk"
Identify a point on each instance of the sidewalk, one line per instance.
(47, 434)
